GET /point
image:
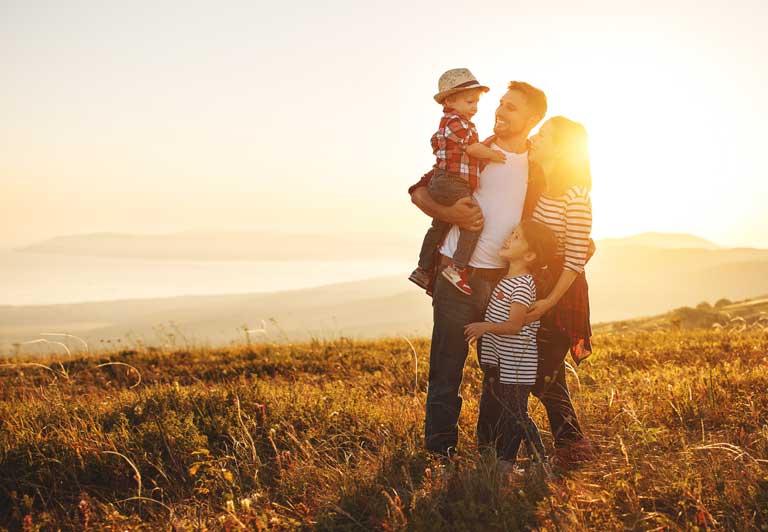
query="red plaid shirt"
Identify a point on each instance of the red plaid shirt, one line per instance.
(449, 144)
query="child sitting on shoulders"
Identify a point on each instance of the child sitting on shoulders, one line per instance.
(507, 345)
(458, 153)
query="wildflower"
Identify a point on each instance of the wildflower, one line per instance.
(85, 512)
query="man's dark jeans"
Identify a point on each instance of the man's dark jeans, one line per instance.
(452, 311)
(550, 388)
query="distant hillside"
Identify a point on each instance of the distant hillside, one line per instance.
(626, 282)
(245, 245)
(723, 314)
(386, 306)
(662, 240)
(224, 246)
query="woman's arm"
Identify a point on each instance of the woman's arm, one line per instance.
(578, 226)
(542, 306)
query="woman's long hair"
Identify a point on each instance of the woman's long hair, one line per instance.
(572, 166)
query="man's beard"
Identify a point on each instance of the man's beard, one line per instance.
(507, 131)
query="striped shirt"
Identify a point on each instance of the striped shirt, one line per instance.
(515, 355)
(570, 217)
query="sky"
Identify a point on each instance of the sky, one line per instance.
(168, 116)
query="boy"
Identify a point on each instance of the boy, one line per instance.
(508, 349)
(458, 153)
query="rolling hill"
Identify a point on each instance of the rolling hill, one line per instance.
(628, 279)
(232, 245)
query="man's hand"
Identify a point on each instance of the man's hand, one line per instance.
(537, 310)
(473, 331)
(466, 214)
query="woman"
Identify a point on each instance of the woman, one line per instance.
(561, 150)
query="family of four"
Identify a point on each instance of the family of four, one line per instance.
(504, 262)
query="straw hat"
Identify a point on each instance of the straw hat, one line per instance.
(456, 80)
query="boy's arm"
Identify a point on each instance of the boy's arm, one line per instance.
(478, 150)
(458, 131)
(514, 323)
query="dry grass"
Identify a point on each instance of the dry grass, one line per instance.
(328, 435)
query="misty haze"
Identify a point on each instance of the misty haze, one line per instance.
(207, 287)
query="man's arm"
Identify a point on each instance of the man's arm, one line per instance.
(465, 213)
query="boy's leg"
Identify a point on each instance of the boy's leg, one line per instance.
(465, 247)
(511, 424)
(489, 431)
(447, 190)
(518, 425)
(434, 237)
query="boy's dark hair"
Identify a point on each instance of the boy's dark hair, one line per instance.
(543, 242)
(535, 97)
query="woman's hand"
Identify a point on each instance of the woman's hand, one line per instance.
(537, 310)
(473, 331)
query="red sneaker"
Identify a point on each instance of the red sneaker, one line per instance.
(458, 277)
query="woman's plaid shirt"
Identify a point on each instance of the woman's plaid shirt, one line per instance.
(449, 144)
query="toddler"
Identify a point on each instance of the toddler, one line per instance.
(458, 153)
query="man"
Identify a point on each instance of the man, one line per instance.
(507, 191)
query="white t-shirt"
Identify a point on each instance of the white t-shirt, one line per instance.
(501, 196)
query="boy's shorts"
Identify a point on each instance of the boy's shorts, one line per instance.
(447, 187)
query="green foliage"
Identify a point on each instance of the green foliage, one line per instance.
(328, 436)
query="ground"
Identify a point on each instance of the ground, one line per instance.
(328, 436)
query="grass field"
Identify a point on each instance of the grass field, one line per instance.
(328, 436)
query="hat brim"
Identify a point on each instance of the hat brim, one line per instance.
(440, 96)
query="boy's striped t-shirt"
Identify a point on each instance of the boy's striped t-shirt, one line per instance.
(515, 355)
